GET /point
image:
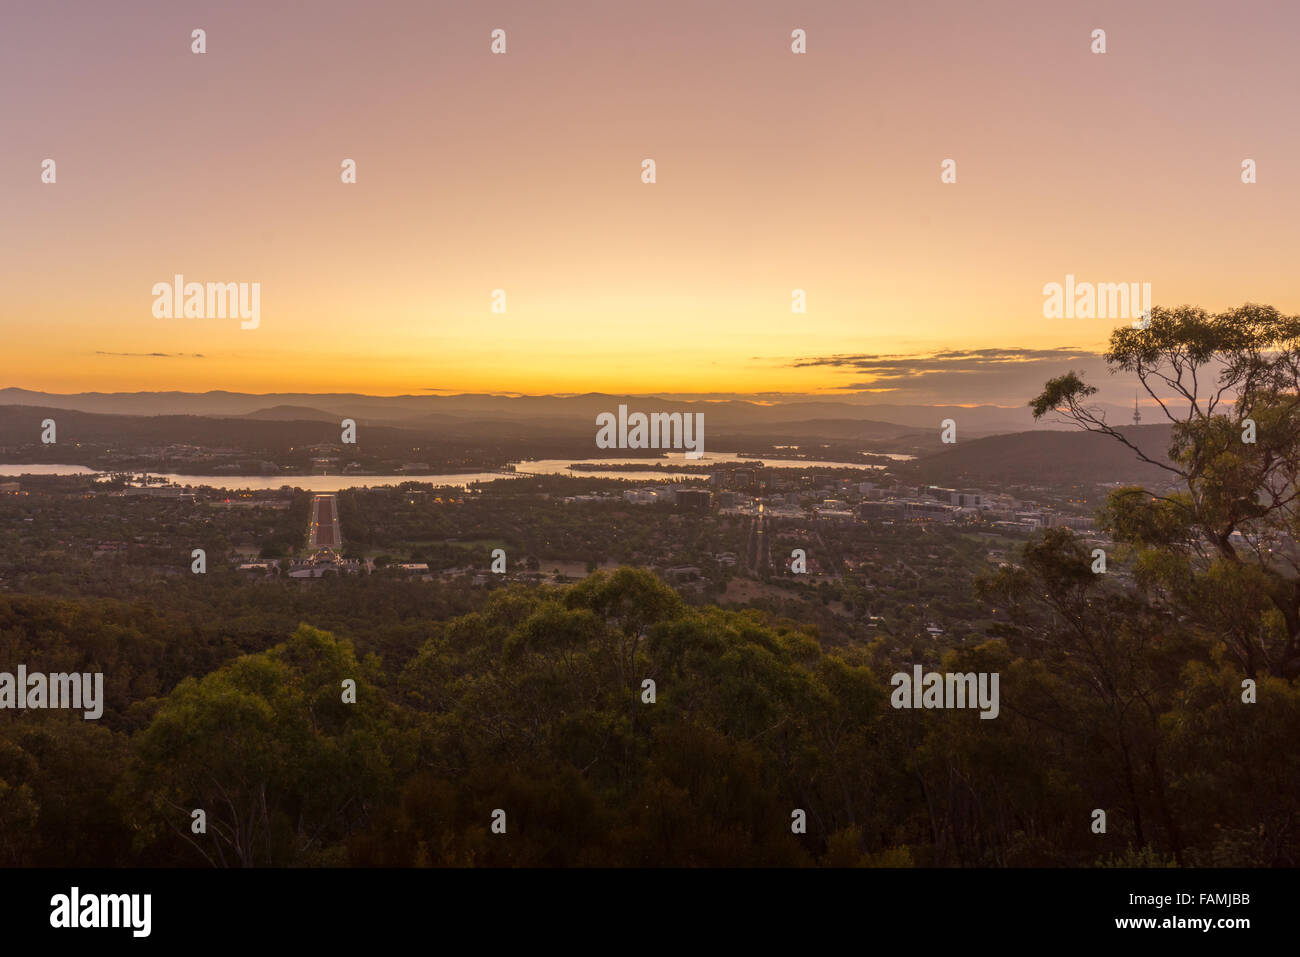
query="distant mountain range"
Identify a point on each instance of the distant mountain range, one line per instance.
(811, 419)
(491, 430)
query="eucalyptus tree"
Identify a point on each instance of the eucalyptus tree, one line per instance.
(1219, 542)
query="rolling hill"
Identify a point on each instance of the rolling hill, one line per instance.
(1049, 458)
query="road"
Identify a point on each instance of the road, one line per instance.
(324, 530)
(758, 548)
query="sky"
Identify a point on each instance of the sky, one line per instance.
(523, 172)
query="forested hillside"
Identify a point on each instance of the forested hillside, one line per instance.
(1047, 458)
(537, 705)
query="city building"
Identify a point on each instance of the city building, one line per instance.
(694, 499)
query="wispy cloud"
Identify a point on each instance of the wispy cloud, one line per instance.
(152, 355)
(1002, 376)
(902, 366)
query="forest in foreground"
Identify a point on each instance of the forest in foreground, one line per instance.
(536, 706)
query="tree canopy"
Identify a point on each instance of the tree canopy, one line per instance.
(1220, 541)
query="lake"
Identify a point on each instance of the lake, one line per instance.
(335, 483)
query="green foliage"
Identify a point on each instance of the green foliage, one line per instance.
(267, 748)
(1226, 529)
(1064, 391)
(532, 702)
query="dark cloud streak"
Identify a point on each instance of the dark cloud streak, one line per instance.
(1002, 376)
(151, 355)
